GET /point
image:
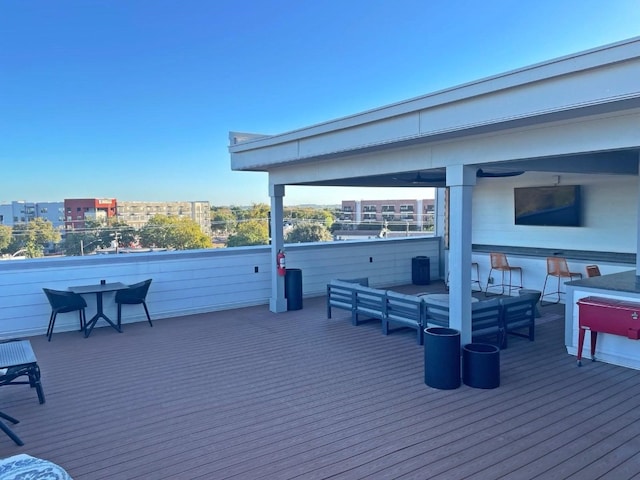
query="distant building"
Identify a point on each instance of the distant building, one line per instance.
(51, 211)
(72, 213)
(20, 211)
(137, 214)
(415, 214)
(17, 212)
(78, 210)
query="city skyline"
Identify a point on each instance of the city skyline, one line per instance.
(134, 100)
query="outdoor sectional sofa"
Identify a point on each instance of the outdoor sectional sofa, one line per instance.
(494, 317)
(366, 303)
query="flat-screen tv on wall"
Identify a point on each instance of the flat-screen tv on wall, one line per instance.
(555, 206)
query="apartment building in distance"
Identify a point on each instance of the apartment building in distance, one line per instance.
(79, 210)
(418, 214)
(20, 211)
(137, 214)
(72, 213)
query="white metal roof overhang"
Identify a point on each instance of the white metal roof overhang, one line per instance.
(579, 113)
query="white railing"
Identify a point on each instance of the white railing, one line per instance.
(199, 281)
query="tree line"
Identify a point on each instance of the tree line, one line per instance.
(39, 236)
(233, 226)
(251, 226)
(240, 226)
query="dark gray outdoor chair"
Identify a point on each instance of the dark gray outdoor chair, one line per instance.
(136, 294)
(519, 313)
(63, 301)
(485, 318)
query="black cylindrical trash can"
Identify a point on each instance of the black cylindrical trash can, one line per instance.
(442, 358)
(293, 288)
(481, 365)
(420, 271)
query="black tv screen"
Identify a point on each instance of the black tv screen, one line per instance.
(555, 206)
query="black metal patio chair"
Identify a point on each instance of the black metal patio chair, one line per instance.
(136, 294)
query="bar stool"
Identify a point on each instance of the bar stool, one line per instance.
(499, 262)
(557, 267)
(592, 271)
(474, 265)
(476, 280)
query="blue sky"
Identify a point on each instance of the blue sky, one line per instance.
(134, 99)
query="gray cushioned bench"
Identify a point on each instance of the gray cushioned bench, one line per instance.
(366, 303)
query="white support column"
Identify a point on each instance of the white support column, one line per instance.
(460, 180)
(277, 303)
(439, 212)
(638, 237)
(439, 229)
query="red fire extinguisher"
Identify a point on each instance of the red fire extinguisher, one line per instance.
(280, 263)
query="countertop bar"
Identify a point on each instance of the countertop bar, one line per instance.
(617, 282)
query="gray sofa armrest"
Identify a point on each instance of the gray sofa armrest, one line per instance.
(341, 295)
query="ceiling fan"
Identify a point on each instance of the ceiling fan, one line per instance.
(441, 177)
(420, 179)
(482, 174)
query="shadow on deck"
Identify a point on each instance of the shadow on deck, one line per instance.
(250, 394)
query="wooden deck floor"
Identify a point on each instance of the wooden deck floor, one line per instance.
(249, 394)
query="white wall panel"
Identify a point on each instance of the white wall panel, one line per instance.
(197, 281)
(534, 271)
(493, 221)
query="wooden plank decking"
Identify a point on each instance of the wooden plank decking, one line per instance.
(250, 394)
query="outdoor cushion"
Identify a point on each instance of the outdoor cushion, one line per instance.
(22, 466)
(364, 281)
